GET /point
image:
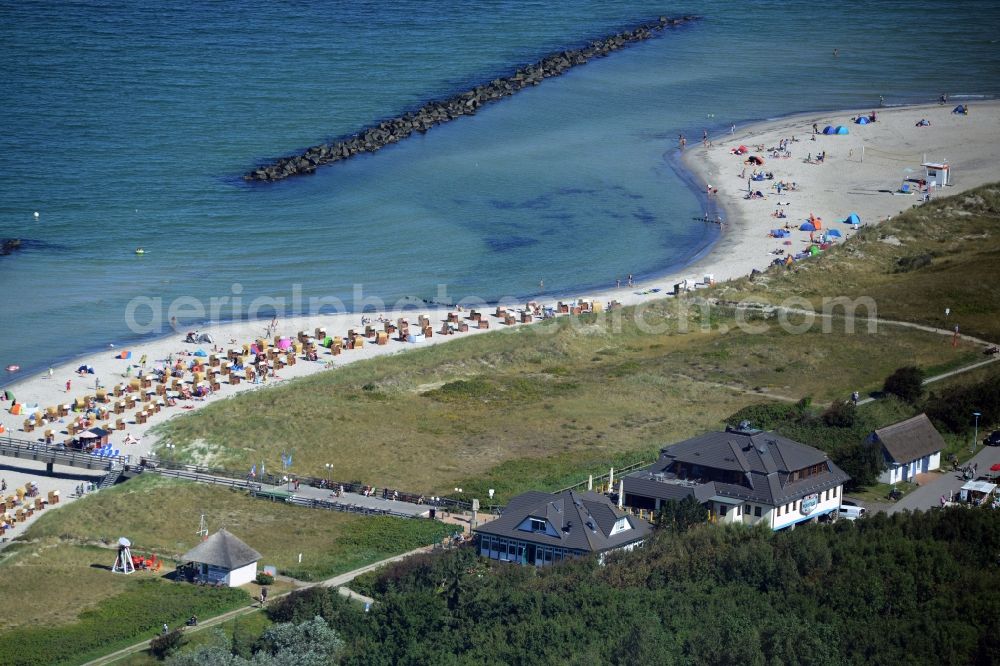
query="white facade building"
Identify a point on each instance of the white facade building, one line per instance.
(222, 559)
(742, 476)
(909, 448)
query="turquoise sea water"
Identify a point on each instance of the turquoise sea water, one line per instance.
(128, 125)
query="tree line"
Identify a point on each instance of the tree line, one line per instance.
(911, 588)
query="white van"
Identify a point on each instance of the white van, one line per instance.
(851, 512)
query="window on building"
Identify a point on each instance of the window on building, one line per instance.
(746, 509)
(835, 491)
(722, 509)
(780, 510)
(757, 511)
(537, 525)
(739, 509)
(798, 505)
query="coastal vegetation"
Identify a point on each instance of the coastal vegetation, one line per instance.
(909, 588)
(100, 611)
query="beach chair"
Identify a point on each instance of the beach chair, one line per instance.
(525, 317)
(290, 359)
(234, 379)
(427, 331)
(445, 328)
(475, 316)
(140, 417)
(463, 327)
(119, 424)
(117, 390)
(508, 319)
(453, 317)
(29, 425)
(483, 323)
(336, 350)
(63, 410)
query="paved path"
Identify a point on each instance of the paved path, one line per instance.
(337, 581)
(929, 495)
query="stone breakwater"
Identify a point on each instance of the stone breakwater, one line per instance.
(433, 113)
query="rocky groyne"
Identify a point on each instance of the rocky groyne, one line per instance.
(433, 113)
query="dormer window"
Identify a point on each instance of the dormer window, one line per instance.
(537, 525)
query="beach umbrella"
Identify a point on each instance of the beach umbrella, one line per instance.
(834, 233)
(807, 226)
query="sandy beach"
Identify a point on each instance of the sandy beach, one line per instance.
(861, 173)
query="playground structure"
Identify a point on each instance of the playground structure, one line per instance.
(127, 562)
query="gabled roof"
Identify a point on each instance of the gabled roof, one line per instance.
(911, 439)
(222, 549)
(583, 521)
(756, 466)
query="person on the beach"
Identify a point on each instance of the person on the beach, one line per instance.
(618, 283)
(836, 52)
(67, 385)
(630, 279)
(815, 128)
(732, 130)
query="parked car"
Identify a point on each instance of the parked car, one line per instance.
(993, 439)
(851, 512)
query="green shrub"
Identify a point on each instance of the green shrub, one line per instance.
(907, 383)
(122, 620)
(264, 578)
(166, 644)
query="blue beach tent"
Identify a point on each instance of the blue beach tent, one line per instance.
(828, 129)
(840, 130)
(201, 353)
(834, 233)
(853, 219)
(807, 226)
(862, 120)
(959, 109)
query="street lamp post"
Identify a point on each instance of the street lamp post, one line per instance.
(975, 436)
(329, 473)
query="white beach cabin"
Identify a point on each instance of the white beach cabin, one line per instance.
(222, 558)
(937, 173)
(909, 448)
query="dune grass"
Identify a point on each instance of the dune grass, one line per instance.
(161, 515)
(519, 409)
(61, 571)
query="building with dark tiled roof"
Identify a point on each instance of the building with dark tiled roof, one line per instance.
(742, 475)
(909, 448)
(541, 528)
